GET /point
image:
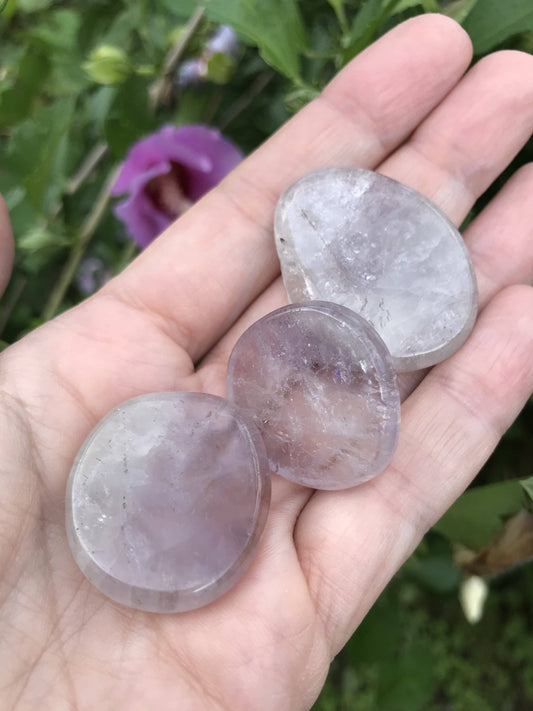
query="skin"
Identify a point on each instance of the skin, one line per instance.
(403, 107)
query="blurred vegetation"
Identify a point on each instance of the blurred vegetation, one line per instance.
(79, 83)
(416, 652)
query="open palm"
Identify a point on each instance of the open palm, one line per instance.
(169, 323)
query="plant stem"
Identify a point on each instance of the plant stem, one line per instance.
(242, 103)
(94, 159)
(91, 162)
(130, 250)
(341, 17)
(86, 232)
(173, 57)
(11, 299)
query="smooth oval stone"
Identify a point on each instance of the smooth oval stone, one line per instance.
(360, 239)
(167, 500)
(320, 385)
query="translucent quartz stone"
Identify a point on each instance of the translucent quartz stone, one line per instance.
(319, 383)
(167, 500)
(360, 239)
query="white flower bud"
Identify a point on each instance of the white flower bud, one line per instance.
(472, 596)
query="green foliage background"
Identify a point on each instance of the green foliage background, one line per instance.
(64, 130)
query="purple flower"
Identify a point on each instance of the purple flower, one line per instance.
(166, 173)
(224, 40)
(92, 274)
(191, 73)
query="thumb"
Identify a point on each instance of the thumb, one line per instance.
(7, 249)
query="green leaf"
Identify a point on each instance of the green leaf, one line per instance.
(17, 102)
(108, 23)
(124, 25)
(366, 25)
(22, 213)
(36, 152)
(58, 38)
(40, 239)
(275, 26)
(424, 5)
(432, 564)
(479, 513)
(459, 9)
(156, 32)
(128, 119)
(192, 106)
(59, 31)
(67, 76)
(33, 5)
(377, 637)
(338, 7)
(490, 22)
(408, 682)
(527, 486)
(298, 97)
(97, 106)
(181, 9)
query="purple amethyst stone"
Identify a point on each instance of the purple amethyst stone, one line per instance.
(320, 385)
(167, 501)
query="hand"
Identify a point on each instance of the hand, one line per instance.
(169, 322)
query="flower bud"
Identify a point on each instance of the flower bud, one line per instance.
(220, 68)
(472, 596)
(91, 275)
(108, 65)
(191, 73)
(224, 41)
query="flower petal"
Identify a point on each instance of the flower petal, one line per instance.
(197, 156)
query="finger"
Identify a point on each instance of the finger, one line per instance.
(350, 543)
(500, 239)
(457, 152)
(7, 249)
(199, 276)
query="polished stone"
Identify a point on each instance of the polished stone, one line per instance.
(167, 500)
(360, 239)
(319, 384)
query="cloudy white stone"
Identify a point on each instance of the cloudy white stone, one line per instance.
(167, 500)
(360, 239)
